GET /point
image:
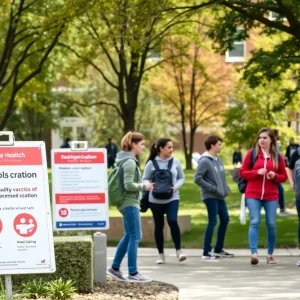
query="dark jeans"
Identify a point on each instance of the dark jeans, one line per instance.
(215, 207)
(171, 210)
(110, 163)
(298, 211)
(281, 196)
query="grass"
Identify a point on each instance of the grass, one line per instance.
(237, 234)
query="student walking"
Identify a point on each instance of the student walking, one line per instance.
(283, 211)
(164, 198)
(293, 172)
(210, 176)
(132, 145)
(262, 189)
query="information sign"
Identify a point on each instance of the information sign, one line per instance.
(79, 189)
(26, 237)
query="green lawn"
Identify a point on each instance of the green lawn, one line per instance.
(236, 236)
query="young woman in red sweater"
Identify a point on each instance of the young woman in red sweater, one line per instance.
(262, 190)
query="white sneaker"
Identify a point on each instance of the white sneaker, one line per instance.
(180, 255)
(286, 213)
(160, 259)
(298, 263)
(138, 278)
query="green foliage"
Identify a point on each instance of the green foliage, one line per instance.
(15, 294)
(252, 109)
(240, 18)
(74, 261)
(34, 289)
(61, 290)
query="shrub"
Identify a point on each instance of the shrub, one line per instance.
(59, 289)
(34, 289)
(74, 261)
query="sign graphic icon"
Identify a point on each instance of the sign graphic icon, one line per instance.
(1, 226)
(25, 225)
(63, 212)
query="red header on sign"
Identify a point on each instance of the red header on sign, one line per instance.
(20, 156)
(80, 198)
(78, 157)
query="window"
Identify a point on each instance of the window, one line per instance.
(273, 16)
(238, 52)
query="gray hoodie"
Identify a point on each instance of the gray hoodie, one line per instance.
(177, 176)
(210, 176)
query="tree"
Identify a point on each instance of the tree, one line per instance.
(195, 81)
(29, 31)
(126, 32)
(257, 108)
(250, 14)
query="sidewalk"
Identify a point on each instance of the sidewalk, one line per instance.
(223, 279)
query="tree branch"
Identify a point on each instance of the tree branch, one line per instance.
(91, 63)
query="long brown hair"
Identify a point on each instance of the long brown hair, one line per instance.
(273, 148)
(129, 138)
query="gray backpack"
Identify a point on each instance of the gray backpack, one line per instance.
(297, 176)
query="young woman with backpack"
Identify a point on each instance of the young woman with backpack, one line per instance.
(132, 144)
(167, 175)
(262, 191)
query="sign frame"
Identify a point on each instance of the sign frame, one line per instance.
(51, 267)
(55, 190)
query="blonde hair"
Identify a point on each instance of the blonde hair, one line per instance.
(129, 138)
(273, 148)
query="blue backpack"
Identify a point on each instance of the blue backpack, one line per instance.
(163, 182)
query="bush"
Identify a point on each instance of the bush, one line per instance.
(74, 261)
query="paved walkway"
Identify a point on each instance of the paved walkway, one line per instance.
(224, 279)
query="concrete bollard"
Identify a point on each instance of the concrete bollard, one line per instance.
(100, 257)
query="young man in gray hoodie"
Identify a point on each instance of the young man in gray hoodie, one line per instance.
(210, 176)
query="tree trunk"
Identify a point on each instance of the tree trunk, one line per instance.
(188, 156)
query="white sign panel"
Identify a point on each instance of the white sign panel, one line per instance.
(26, 241)
(79, 188)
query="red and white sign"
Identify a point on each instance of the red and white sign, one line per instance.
(26, 236)
(79, 186)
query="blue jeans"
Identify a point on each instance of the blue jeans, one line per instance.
(130, 241)
(298, 211)
(215, 207)
(171, 210)
(270, 207)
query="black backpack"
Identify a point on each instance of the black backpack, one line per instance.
(163, 183)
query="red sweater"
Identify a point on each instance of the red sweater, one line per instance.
(259, 186)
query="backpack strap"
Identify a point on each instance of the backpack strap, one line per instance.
(170, 163)
(298, 150)
(155, 164)
(253, 158)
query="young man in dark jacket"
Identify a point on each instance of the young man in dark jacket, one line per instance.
(210, 176)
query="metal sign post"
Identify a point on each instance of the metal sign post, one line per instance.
(26, 239)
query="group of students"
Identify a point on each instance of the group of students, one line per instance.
(263, 177)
